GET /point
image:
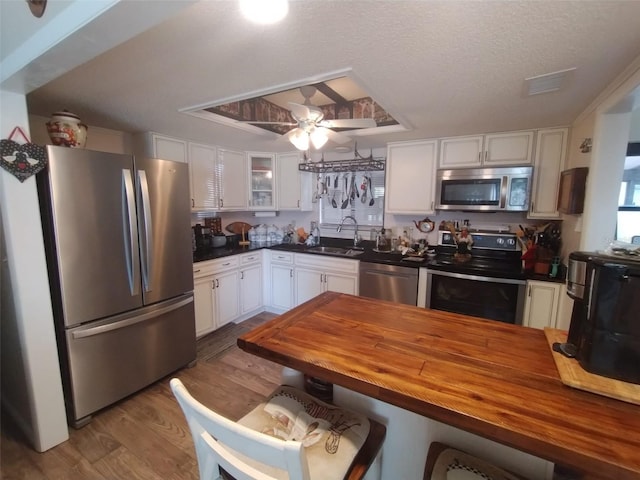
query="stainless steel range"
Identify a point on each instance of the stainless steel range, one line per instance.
(489, 284)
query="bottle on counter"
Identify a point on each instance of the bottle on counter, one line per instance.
(314, 235)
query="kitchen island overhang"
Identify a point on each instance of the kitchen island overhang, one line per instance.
(495, 380)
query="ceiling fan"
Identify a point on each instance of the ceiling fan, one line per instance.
(311, 127)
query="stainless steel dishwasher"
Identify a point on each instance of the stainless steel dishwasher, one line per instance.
(389, 282)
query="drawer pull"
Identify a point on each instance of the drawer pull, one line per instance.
(197, 271)
(226, 264)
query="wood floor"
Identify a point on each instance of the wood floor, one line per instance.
(146, 436)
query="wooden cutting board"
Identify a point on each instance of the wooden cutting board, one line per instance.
(573, 375)
(236, 227)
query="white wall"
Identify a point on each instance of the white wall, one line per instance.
(31, 382)
(634, 133)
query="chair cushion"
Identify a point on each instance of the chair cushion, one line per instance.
(453, 464)
(331, 435)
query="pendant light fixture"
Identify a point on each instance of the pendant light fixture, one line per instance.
(302, 138)
(319, 137)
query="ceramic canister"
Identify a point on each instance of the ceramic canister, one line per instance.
(65, 130)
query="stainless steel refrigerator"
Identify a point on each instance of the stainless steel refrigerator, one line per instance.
(119, 256)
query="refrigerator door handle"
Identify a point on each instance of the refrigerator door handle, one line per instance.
(129, 320)
(130, 231)
(147, 261)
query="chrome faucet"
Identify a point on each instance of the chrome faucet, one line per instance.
(356, 238)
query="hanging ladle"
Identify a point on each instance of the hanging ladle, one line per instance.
(372, 201)
(346, 200)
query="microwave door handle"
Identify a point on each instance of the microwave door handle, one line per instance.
(503, 192)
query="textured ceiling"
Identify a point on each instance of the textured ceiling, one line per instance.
(440, 67)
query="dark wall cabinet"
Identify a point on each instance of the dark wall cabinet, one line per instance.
(572, 188)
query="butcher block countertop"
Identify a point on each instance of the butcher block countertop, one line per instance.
(489, 378)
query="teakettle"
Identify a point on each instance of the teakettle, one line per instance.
(425, 226)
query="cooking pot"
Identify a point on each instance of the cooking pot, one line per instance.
(425, 226)
(218, 240)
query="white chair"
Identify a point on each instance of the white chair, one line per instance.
(244, 452)
(447, 463)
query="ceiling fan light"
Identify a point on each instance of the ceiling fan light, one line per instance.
(264, 11)
(319, 137)
(300, 139)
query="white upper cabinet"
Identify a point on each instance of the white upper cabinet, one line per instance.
(262, 181)
(459, 152)
(551, 148)
(292, 186)
(232, 175)
(410, 177)
(160, 146)
(515, 148)
(204, 185)
(492, 150)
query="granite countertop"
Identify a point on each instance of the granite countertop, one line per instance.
(368, 255)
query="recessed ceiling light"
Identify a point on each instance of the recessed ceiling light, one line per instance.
(264, 11)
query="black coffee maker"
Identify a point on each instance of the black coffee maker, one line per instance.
(604, 334)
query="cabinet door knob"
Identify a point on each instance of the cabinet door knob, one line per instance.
(291, 273)
(241, 275)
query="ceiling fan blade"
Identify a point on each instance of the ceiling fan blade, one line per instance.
(337, 137)
(305, 112)
(349, 123)
(299, 112)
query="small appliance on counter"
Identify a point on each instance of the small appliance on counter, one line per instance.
(604, 334)
(205, 238)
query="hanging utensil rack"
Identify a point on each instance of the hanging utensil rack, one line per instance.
(356, 164)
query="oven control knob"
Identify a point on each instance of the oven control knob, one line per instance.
(511, 242)
(500, 241)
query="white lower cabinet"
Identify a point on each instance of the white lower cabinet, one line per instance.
(203, 299)
(250, 282)
(216, 293)
(281, 281)
(541, 304)
(227, 300)
(315, 274)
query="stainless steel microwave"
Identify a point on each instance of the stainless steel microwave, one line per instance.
(484, 189)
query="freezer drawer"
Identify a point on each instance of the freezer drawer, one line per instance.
(111, 359)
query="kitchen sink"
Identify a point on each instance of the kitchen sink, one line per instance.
(345, 252)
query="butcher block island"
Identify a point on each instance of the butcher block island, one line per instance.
(479, 378)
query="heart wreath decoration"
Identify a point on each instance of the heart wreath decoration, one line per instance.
(22, 160)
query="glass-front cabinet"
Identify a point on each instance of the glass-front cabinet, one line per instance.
(262, 181)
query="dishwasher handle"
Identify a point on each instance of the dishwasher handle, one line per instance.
(389, 274)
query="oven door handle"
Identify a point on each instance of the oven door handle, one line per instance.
(481, 278)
